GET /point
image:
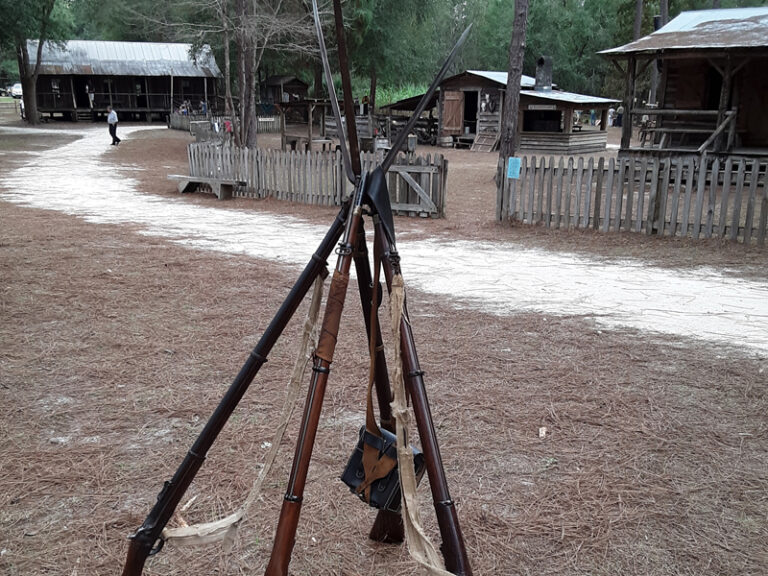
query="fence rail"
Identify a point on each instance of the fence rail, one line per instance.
(416, 184)
(682, 196)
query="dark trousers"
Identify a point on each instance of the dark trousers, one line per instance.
(113, 133)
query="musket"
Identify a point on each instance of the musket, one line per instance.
(147, 540)
(285, 536)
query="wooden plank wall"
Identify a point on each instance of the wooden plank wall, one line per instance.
(416, 184)
(681, 196)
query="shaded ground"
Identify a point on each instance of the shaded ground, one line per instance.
(115, 348)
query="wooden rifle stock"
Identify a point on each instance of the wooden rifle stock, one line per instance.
(285, 536)
(147, 539)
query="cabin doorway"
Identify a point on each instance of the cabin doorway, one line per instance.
(82, 88)
(470, 112)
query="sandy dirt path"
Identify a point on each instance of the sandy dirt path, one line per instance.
(497, 277)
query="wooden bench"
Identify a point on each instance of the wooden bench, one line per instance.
(222, 187)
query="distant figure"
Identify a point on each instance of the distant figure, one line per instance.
(611, 115)
(89, 92)
(112, 122)
(203, 108)
(592, 117)
(619, 115)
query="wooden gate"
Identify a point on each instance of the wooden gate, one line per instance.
(453, 113)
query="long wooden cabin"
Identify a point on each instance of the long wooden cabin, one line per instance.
(713, 93)
(471, 104)
(141, 80)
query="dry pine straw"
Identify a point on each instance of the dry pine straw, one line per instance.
(116, 348)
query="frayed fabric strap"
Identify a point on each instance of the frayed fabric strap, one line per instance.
(420, 547)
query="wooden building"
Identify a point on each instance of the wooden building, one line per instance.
(471, 104)
(284, 89)
(713, 94)
(141, 80)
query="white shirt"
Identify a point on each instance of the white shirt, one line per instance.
(112, 118)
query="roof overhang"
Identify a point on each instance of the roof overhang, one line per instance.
(99, 58)
(739, 30)
(571, 99)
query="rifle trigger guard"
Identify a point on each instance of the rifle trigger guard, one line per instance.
(157, 547)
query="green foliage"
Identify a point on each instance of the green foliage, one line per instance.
(404, 41)
(389, 94)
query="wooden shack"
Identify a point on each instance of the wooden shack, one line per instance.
(713, 92)
(141, 80)
(471, 104)
(284, 89)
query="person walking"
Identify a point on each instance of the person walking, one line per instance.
(112, 121)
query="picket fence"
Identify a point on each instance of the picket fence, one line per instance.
(416, 184)
(680, 196)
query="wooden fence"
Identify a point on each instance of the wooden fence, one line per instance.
(682, 196)
(416, 184)
(264, 124)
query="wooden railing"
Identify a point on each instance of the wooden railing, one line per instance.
(681, 196)
(416, 183)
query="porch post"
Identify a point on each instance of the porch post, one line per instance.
(725, 96)
(310, 114)
(604, 120)
(171, 110)
(146, 96)
(567, 120)
(629, 97)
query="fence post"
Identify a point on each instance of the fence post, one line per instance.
(598, 193)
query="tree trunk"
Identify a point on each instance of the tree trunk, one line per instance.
(372, 101)
(317, 90)
(664, 11)
(29, 77)
(28, 84)
(638, 19)
(509, 132)
(715, 3)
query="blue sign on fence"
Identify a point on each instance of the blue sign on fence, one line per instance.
(513, 168)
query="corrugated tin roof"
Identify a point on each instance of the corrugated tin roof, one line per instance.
(727, 29)
(87, 57)
(501, 77)
(569, 97)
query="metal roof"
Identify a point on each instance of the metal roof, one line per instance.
(277, 80)
(99, 58)
(501, 77)
(569, 97)
(727, 29)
